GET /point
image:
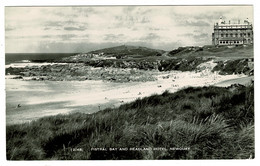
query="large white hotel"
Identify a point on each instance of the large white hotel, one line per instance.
(232, 33)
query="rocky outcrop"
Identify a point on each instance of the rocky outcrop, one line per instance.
(130, 66)
(182, 64)
(81, 71)
(13, 71)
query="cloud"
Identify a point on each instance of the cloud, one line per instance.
(54, 24)
(154, 29)
(201, 36)
(72, 47)
(9, 29)
(80, 28)
(151, 37)
(68, 25)
(113, 37)
(187, 35)
(145, 20)
(130, 21)
(211, 16)
(46, 36)
(129, 9)
(59, 13)
(152, 26)
(194, 23)
(196, 36)
(70, 22)
(195, 39)
(84, 10)
(67, 36)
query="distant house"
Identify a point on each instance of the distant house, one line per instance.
(232, 33)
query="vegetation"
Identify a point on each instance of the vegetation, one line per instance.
(186, 64)
(182, 58)
(238, 66)
(206, 122)
(132, 51)
(220, 52)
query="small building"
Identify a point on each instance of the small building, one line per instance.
(232, 33)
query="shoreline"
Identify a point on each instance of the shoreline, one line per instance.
(89, 96)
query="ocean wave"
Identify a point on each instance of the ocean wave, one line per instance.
(24, 61)
(24, 64)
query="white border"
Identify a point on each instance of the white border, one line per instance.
(3, 3)
(125, 2)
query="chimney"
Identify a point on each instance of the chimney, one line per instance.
(238, 21)
(229, 21)
(220, 20)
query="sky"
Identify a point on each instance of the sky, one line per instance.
(86, 28)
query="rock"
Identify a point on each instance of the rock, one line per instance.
(18, 77)
(166, 77)
(18, 106)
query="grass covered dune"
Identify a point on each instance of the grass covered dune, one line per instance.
(204, 123)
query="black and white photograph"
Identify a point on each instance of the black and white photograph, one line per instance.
(129, 82)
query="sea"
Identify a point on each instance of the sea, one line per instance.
(28, 57)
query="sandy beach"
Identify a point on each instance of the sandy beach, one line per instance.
(45, 98)
(243, 81)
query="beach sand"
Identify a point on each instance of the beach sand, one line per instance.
(44, 98)
(243, 81)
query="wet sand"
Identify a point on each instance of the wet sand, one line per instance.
(243, 81)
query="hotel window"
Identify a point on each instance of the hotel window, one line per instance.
(226, 35)
(248, 34)
(236, 35)
(231, 35)
(241, 34)
(222, 35)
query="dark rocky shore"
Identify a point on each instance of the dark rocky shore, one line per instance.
(80, 72)
(121, 70)
(129, 63)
